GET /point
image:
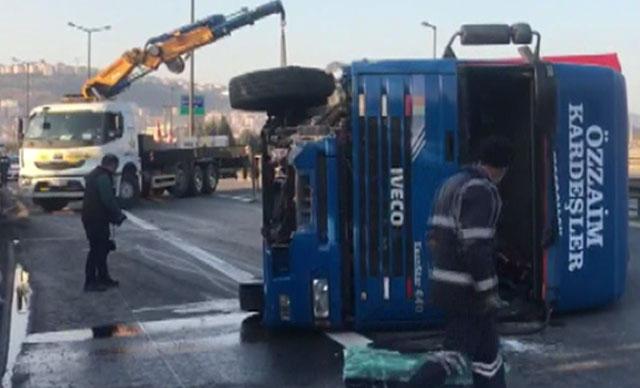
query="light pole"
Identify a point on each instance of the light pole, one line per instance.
(27, 65)
(435, 36)
(192, 78)
(89, 31)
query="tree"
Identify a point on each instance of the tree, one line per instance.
(220, 128)
(211, 127)
(250, 138)
(224, 128)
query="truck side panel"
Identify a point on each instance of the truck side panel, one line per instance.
(587, 265)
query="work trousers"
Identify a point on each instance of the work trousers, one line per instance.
(96, 267)
(474, 336)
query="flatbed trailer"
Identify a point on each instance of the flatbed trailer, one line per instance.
(186, 171)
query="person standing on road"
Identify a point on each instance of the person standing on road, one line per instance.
(100, 209)
(463, 280)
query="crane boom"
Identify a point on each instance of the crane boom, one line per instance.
(170, 49)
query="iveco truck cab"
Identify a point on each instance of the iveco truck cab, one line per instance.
(349, 181)
(64, 142)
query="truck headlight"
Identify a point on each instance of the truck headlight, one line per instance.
(285, 307)
(25, 181)
(320, 298)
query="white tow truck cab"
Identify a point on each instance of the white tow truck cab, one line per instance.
(63, 142)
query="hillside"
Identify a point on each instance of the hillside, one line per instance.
(151, 93)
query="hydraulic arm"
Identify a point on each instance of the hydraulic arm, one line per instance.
(172, 49)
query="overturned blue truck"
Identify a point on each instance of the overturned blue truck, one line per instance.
(352, 158)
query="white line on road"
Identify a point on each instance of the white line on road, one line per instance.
(346, 339)
(218, 305)
(150, 327)
(229, 270)
(349, 338)
(237, 198)
(634, 224)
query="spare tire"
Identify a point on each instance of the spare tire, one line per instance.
(279, 89)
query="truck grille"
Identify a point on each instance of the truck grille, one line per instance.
(59, 165)
(383, 155)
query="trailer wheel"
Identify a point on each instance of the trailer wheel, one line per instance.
(181, 187)
(51, 204)
(280, 89)
(251, 296)
(129, 190)
(210, 179)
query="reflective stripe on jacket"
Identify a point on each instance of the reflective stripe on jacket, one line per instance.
(461, 238)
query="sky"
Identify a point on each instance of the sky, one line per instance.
(318, 31)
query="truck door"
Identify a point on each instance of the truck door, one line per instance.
(586, 262)
(403, 146)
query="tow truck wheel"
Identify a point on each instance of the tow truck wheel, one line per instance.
(280, 89)
(210, 179)
(197, 181)
(129, 190)
(181, 188)
(51, 204)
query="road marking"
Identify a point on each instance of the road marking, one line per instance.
(216, 305)
(142, 224)
(229, 270)
(130, 330)
(349, 338)
(346, 339)
(634, 224)
(237, 198)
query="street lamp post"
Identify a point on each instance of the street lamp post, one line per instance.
(27, 65)
(89, 31)
(435, 36)
(192, 79)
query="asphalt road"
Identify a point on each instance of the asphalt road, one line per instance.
(175, 321)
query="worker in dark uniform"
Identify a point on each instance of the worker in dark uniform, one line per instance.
(463, 279)
(100, 209)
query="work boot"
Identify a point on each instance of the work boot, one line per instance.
(95, 287)
(109, 283)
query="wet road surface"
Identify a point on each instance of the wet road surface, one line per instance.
(175, 321)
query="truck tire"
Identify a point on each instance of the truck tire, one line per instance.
(129, 190)
(181, 188)
(279, 89)
(197, 181)
(210, 179)
(251, 296)
(51, 204)
(145, 190)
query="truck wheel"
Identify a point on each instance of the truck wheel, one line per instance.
(145, 191)
(51, 204)
(197, 181)
(210, 179)
(129, 190)
(280, 89)
(251, 296)
(181, 188)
